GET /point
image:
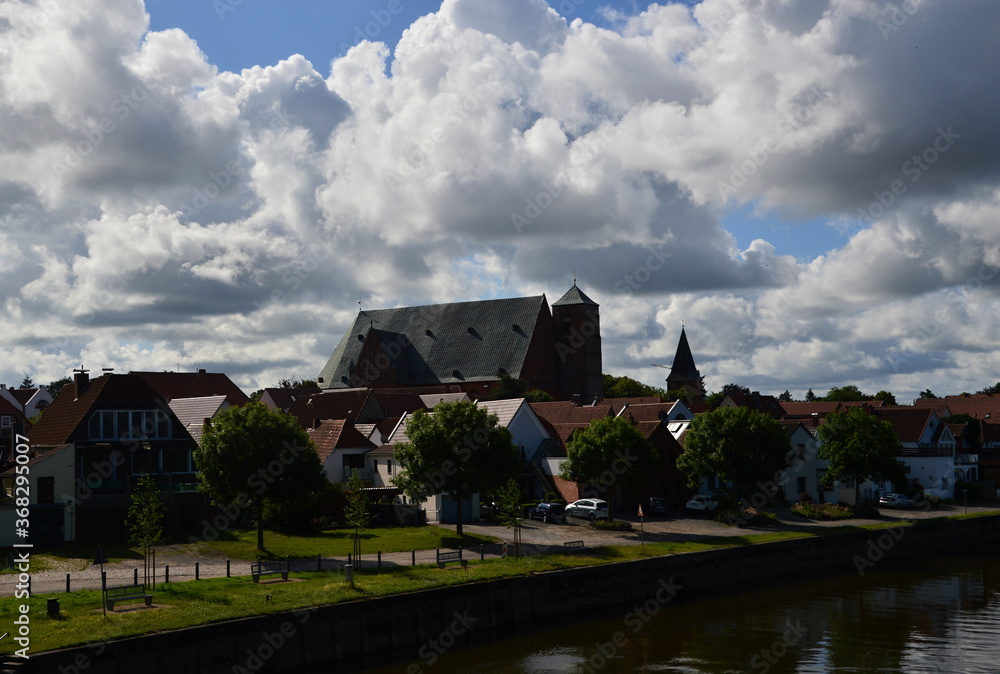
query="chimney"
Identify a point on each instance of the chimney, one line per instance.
(81, 380)
(201, 370)
(316, 422)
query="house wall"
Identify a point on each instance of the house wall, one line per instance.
(526, 431)
(935, 474)
(334, 464)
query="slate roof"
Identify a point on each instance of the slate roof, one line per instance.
(504, 409)
(337, 434)
(198, 384)
(443, 343)
(192, 412)
(574, 296)
(432, 399)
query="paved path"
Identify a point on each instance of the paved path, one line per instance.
(537, 538)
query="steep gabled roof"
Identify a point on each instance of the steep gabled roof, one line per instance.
(198, 384)
(435, 344)
(574, 296)
(332, 435)
(192, 412)
(505, 410)
(683, 368)
(23, 395)
(909, 423)
(6, 408)
(70, 409)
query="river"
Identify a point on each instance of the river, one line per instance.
(941, 614)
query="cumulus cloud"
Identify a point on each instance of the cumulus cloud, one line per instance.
(157, 212)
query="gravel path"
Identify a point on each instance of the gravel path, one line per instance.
(537, 538)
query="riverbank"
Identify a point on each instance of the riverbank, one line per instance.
(350, 630)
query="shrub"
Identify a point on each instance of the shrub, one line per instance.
(744, 517)
(975, 494)
(823, 511)
(617, 525)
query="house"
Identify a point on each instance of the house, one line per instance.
(803, 475)
(31, 401)
(198, 384)
(761, 403)
(341, 449)
(283, 398)
(194, 413)
(928, 452)
(533, 440)
(470, 346)
(93, 442)
(12, 423)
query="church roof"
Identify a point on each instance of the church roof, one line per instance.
(574, 296)
(443, 343)
(683, 368)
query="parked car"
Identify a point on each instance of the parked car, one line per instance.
(896, 501)
(588, 508)
(658, 506)
(547, 512)
(701, 503)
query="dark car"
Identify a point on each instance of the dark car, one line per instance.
(658, 506)
(547, 512)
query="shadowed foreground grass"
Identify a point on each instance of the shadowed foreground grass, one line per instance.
(212, 600)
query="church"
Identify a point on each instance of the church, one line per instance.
(470, 346)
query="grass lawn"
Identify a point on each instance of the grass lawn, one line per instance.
(337, 543)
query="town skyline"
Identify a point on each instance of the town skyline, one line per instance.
(810, 190)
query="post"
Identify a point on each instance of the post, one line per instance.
(67, 582)
(380, 559)
(135, 576)
(349, 562)
(197, 571)
(227, 569)
(413, 557)
(349, 573)
(104, 587)
(482, 553)
(166, 574)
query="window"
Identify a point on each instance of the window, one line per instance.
(175, 461)
(129, 425)
(46, 490)
(388, 466)
(800, 484)
(5, 421)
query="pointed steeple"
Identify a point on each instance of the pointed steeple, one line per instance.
(683, 372)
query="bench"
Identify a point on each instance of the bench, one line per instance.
(450, 558)
(573, 545)
(113, 595)
(261, 568)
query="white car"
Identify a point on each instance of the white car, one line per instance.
(701, 503)
(588, 508)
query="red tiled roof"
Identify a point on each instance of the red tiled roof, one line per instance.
(800, 409)
(566, 412)
(6, 408)
(331, 435)
(981, 406)
(23, 395)
(618, 403)
(63, 417)
(283, 398)
(649, 412)
(199, 384)
(331, 404)
(908, 422)
(396, 404)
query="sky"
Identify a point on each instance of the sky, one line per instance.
(809, 188)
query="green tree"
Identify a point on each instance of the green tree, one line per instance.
(990, 389)
(785, 397)
(810, 396)
(538, 396)
(55, 386)
(886, 397)
(356, 514)
(860, 446)
(739, 444)
(609, 453)
(508, 502)
(145, 521)
(927, 394)
(261, 457)
(458, 450)
(27, 383)
(715, 399)
(843, 394)
(626, 387)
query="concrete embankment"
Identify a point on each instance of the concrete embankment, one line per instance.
(430, 620)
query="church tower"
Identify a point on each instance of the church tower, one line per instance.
(683, 373)
(578, 346)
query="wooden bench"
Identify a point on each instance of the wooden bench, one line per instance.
(261, 568)
(113, 595)
(450, 558)
(573, 545)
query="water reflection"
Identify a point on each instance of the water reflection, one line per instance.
(937, 615)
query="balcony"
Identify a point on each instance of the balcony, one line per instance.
(966, 459)
(928, 450)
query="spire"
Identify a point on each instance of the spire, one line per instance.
(683, 368)
(574, 296)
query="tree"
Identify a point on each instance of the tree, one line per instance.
(810, 396)
(145, 521)
(508, 502)
(739, 444)
(715, 399)
(265, 450)
(538, 396)
(27, 383)
(927, 394)
(843, 394)
(457, 450)
(54, 387)
(295, 382)
(608, 453)
(886, 397)
(356, 514)
(785, 397)
(990, 389)
(860, 446)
